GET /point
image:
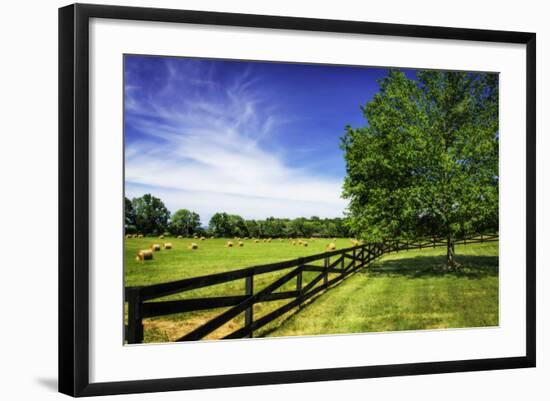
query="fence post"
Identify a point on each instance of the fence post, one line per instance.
(353, 260)
(434, 240)
(299, 286)
(325, 277)
(135, 322)
(248, 314)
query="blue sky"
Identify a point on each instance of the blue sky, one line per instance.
(256, 139)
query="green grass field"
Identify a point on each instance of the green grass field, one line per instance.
(403, 291)
(212, 256)
(407, 291)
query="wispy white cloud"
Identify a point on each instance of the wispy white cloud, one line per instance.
(206, 147)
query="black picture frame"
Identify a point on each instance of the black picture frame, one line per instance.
(74, 201)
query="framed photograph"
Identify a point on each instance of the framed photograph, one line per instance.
(250, 199)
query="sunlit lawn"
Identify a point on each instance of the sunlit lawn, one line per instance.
(212, 256)
(404, 291)
(407, 291)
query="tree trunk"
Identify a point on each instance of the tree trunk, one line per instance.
(451, 263)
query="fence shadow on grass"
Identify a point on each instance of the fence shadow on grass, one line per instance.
(265, 332)
(470, 267)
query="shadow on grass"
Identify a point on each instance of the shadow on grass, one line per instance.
(470, 267)
(265, 332)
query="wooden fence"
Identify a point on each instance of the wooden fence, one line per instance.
(340, 264)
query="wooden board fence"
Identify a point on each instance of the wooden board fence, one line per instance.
(340, 264)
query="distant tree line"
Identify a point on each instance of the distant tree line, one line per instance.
(149, 216)
(228, 225)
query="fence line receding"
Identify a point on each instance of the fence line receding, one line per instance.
(336, 266)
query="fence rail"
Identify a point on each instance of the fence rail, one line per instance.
(340, 264)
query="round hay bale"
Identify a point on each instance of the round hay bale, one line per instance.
(229, 244)
(155, 247)
(180, 237)
(167, 245)
(241, 243)
(202, 238)
(193, 246)
(144, 254)
(256, 241)
(161, 236)
(140, 235)
(195, 237)
(331, 247)
(128, 236)
(293, 242)
(304, 243)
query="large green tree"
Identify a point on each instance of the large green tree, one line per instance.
(151, 215)
(238, 226)
(220, 225)
(426, 163)
(227, 225)
(185, 222)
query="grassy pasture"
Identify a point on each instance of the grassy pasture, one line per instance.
(407, 291)
(212, 256)
(401, 291)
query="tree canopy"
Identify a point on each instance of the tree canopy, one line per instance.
(426, 163)
(151, 216)
(185, 222)
(129, 216)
